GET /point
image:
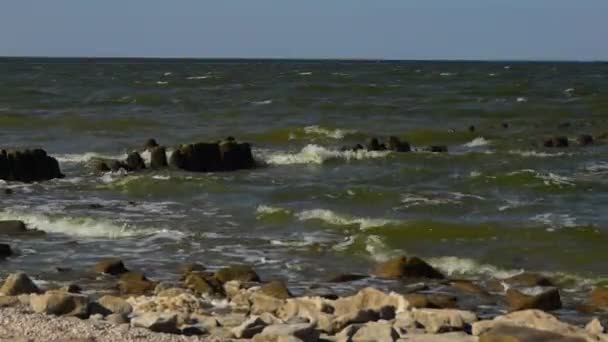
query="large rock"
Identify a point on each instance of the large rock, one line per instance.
(158, 157)
(28, 166)
(374, 303)
(203, 284)
(252, 326)
(556, 141)
(18, 283)
(17, 228)
(261, 303)
(443, 320)
(599, 297)
(534, 319)
(540, 298)
(113, 266)
(300, 331)
(275, 289)
(404, 267)
(313, 309)
(509, 333)
(61, 303)
(115, 305)
(376, 331)
(396, 145)
(157, 322)
(135, 162)
(525, 279)
(242, 273)
(584, 139)
(135, 283)
(431, 300)
(211, 157)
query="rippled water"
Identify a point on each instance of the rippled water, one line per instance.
(496, 204)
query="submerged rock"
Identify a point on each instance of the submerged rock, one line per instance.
(203, 284)
(5, 250)
(242, 273)
(28, 166)
(585, 139)
(17, 228)
(135, 162)
(404, 267)
(436, 149)
(276, 289)
(150, 144)
(113, 266)
(556, 141)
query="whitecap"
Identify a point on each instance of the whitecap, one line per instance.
(86, 156)
(315, 154)
(446, 74)
(198, 77)
(477, 142)
(305, 73)
(463, 266)
(168, 74)
(537, 154)
(333, 218)
(555, 220)
(262, 103)
(268, 210)
(162, 82)
(522, 99)
(79, 226)
(329, 133)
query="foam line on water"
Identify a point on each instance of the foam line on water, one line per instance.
(315, 154)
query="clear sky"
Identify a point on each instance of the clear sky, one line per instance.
(395, 29)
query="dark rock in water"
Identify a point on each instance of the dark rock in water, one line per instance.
(343, 278)
(373, 144)
(237, 272)
(213, 157)
(505, 125)
(547, 300)
(150, 144)
(468, 286)
(113, 266)
(431, 301)
(358, 147)
(436, 149)
(404, 267)
(396, 145)
(529, 280)
(28, 166)
(8, 191)
(18, 283)
(158, 157)
(564, 125)
(190, 267)
(135, 162)
(100, 166)
(471, 128)
(5, 250)
(17, 228)
(236, 156)
(116, 165)
(556, 142)
(585, 139)
(135, 283)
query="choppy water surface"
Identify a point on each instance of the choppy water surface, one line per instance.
(496, 204)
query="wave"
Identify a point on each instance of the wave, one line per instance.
(198, 77)
(261, 103)
(455, 266)
(555, 220)
(315, 154)
(328, 133)
(537, 154)
(86, 157)
(332, 218)
(477, 142)
(268, 212)
(80, 226)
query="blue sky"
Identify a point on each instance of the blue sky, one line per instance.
(395, 29)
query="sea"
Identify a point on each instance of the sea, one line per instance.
(496, 204)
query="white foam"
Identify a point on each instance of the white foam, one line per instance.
(477, 142)
(536, 154)
(262, 103)
(198, 77)
(329, 133)
(78, 226)
(262, 210)
(555, 220)
(85, 157)
(306, 73)
(162, 82)
(464, 266)
(333, 218)
(447, 74)
(522, 99)
(315, 154)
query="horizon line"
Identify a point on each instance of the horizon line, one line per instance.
(344, 59)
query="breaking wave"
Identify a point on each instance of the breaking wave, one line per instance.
(315, 154)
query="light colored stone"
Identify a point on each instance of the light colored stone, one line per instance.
(442, 320)
(171, 292)
(404, 322)
(595, 327)
(314, 309)
(262, 303)
(456, 336)
(510, 333)
(9, 301)
(115, 305)
(370, 299)
(18, 283)
(60, 303)
(157, 322)
(117, 318)
(252, 326)
(285, 332)
(376, 331)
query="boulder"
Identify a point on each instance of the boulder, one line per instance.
(241, 273)
(599, 297)
(117, 319)
(535, 319)
(99, 166)
(5, 250)
(61, 303)
(373, 144)
(204, 284)
(28, 166)
(252, 326)
(189, 267)
(556, 141)
(113, 266)
(456, 336)
(584, 139)
(371, 300)
(431, 300)
(115, 305)
(314, 309)
(510, 333)
(150, 144)
(211, 157)
(468, 286)
(261, 303)
(595, 327)
(396, 145)
(18, 228)
(404, 267)
(135, 283)
(539, 298)
(18, 283)
(170, 292)
(442, 320)
(300, 331)
(157, 322)
(376, 331)
(135, 162)
(275, 289)
(158, 157)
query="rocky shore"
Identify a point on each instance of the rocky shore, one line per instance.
(235, 303)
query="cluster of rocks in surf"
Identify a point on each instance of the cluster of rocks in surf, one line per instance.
(236, 303)
(563, 141)
(28, 166)
(220, 156)
(393, 144)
